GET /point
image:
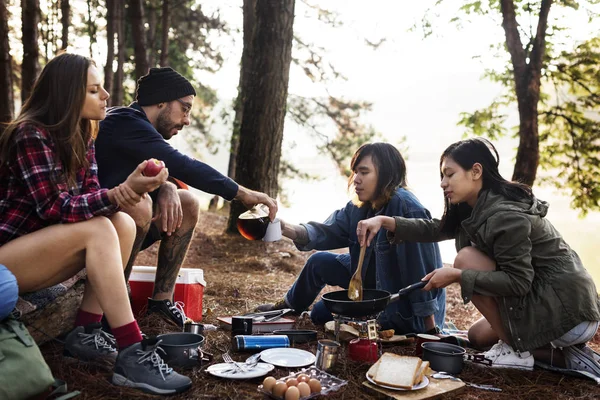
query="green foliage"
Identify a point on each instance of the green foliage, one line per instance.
(569, 106)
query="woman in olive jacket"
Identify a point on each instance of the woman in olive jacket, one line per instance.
(536, 298)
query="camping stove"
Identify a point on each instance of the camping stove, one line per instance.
(365, 347)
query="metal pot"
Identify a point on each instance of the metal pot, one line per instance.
(183, 349)
(193, 327)
(444, 357)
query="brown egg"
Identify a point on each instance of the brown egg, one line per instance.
(292, 382)
(303, 378)
(292, 393)
(304, 389)
(315, 385)
(268, 384)
(279, 389)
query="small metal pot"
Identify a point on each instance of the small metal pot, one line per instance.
(444, 357)
(194, 328)
(183, 349)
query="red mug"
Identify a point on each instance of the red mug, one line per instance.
(423, 338)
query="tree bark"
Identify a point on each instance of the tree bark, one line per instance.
(30, 67)
(117, 92)
(249, 10)
(139, 39)
(527, 76)
(164, 50)
(65, 20)
(110, 47)
(151, 17)
(6, 86)
(91, 28)
(265, 93)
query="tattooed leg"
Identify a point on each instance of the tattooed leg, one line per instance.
(142, 215)
(174, 248)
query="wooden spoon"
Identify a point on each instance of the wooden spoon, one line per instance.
(355, 289)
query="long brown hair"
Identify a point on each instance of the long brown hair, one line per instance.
(55, 104)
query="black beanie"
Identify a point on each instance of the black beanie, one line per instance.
(162, 85)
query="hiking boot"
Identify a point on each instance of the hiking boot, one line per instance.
(579, 359)
(174, 312)
(140, 366)
(502, 355)
(90, 343)
(280, 305)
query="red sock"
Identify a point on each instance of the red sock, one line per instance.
(84, 318)
(127, 335)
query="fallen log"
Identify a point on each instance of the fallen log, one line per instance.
(56, 318)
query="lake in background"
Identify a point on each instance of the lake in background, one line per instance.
(418, 89)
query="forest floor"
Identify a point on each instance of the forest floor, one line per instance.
(241, 274)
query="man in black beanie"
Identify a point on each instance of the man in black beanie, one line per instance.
(139, 132)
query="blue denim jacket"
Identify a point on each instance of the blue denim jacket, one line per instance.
(397, 265)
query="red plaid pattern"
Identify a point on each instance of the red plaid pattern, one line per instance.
(31, 198)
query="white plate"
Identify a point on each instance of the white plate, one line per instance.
(421, 385)
(287, 357)
(224, 370)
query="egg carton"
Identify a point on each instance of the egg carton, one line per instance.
(329, 383)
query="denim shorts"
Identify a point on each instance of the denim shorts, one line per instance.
(9, 292)
(582, 333)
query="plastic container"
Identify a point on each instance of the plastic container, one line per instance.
(329, 383)
(189, 289)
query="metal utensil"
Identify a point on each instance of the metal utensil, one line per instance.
(355, 289)
(445, 375)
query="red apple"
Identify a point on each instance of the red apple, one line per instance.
(153, 167)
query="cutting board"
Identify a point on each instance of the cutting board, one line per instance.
(436, 388)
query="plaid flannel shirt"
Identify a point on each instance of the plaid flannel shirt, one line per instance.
(31, 197)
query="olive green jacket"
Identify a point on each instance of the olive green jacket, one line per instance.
(541, 286)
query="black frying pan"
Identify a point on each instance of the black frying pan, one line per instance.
(374, 301)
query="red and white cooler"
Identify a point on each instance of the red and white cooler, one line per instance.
(189, 289)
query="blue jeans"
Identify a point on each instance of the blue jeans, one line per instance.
(9, 292)
(321, 269)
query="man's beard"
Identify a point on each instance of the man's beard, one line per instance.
(164, 125)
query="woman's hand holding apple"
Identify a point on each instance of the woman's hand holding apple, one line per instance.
(141, 180)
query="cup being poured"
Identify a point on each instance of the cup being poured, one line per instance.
(254, 224)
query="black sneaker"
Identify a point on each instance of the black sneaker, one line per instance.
(173, 311)
(90, 343)
(140, 366)
(280, 305)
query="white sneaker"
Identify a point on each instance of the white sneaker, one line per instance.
(581, 359)
(502, 355)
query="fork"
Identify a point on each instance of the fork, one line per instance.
(227, 358)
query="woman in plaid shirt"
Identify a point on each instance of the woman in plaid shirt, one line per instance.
(55, 219)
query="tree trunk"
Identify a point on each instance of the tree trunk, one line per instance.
(527, 72)
(110, 46)
(91, 27)
(164, 50)
(65, 20)
(117, 92)
(6, 87)
(30, 67)
(249, 21)
(265, 92)
(136, 17)
(151, 17)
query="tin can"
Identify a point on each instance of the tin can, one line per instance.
(251, 343)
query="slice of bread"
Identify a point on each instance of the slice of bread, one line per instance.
(373, 370)
(421, 373)
(397, 371)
